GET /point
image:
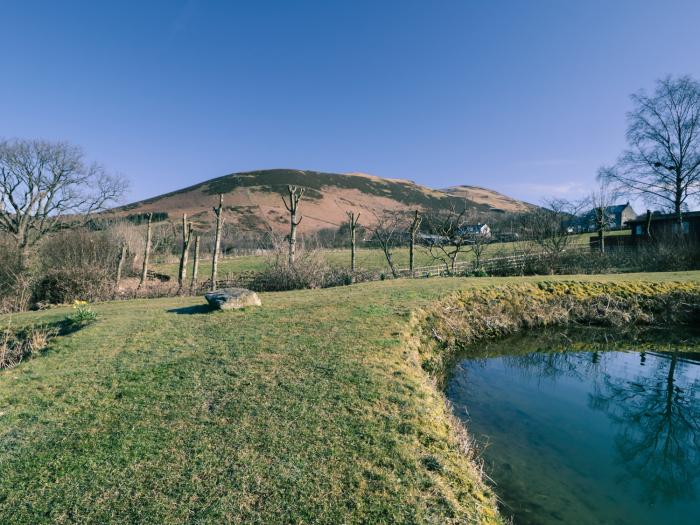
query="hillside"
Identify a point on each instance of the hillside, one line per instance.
(253, 199)
(487, 197)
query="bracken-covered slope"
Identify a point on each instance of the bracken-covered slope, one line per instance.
(253, 200)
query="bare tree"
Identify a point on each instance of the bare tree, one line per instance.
(478, 242)
(662, 163)
(186, 238)
(413, 230)
(353, 222)
(448, 236)
(551, 226)
(43, 184)
(295, 195)
(219, 212)
(387, 230)
(602, 199)
(147, 252)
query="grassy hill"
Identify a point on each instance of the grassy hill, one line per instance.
(253, 199)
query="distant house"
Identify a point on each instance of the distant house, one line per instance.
(430, 239)
(617, 216)
(482, 230)
(664, 225)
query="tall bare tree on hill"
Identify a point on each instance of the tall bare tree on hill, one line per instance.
(662, 163)
(295, 195)
(45, 184)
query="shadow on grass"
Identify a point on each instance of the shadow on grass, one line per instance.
(192, 310)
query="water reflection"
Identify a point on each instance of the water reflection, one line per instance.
(656, 413)
(594, 436)
(658, 419)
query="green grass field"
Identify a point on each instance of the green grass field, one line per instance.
(309, 409)
(367, 258)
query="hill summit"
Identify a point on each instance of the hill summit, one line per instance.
(253, 200)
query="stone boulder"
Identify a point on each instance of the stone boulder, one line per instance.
(232, 298)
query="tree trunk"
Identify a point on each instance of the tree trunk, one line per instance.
(412, 246)
(353, 245)
(677, 205)
(353, 250)
(24, 254)
(147, 253)
(195, 268)
(186, 236)
(120, 266)
(600, 223)
(293, 237)
(392, 267)
(217, 241)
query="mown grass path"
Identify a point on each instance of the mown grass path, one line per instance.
(310, 409)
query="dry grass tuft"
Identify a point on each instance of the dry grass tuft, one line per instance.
(15, 346)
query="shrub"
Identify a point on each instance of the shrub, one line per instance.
(307, 272)
(310, 270)
(15, 284)
(76, 265)
(15, 346)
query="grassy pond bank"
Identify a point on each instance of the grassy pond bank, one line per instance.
(323, 406)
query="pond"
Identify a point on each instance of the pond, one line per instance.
(582, 433)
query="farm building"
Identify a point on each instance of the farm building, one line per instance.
(617, 216)
(665, 225)
(476, 229)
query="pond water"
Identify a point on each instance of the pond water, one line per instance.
(579, 436)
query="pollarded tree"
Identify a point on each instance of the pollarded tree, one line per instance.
(295, 195)
(662, 163)
(43, 184)
(353, 221)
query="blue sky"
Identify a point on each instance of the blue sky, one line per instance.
(526, 97)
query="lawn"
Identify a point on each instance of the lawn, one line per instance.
(309, 409)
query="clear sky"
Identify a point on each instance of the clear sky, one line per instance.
(526, 97)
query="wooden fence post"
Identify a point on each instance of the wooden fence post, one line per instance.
(120, 265)
(147, 253)
(195, 268)
(411, 252)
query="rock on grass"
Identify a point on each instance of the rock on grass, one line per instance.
(232, 298)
